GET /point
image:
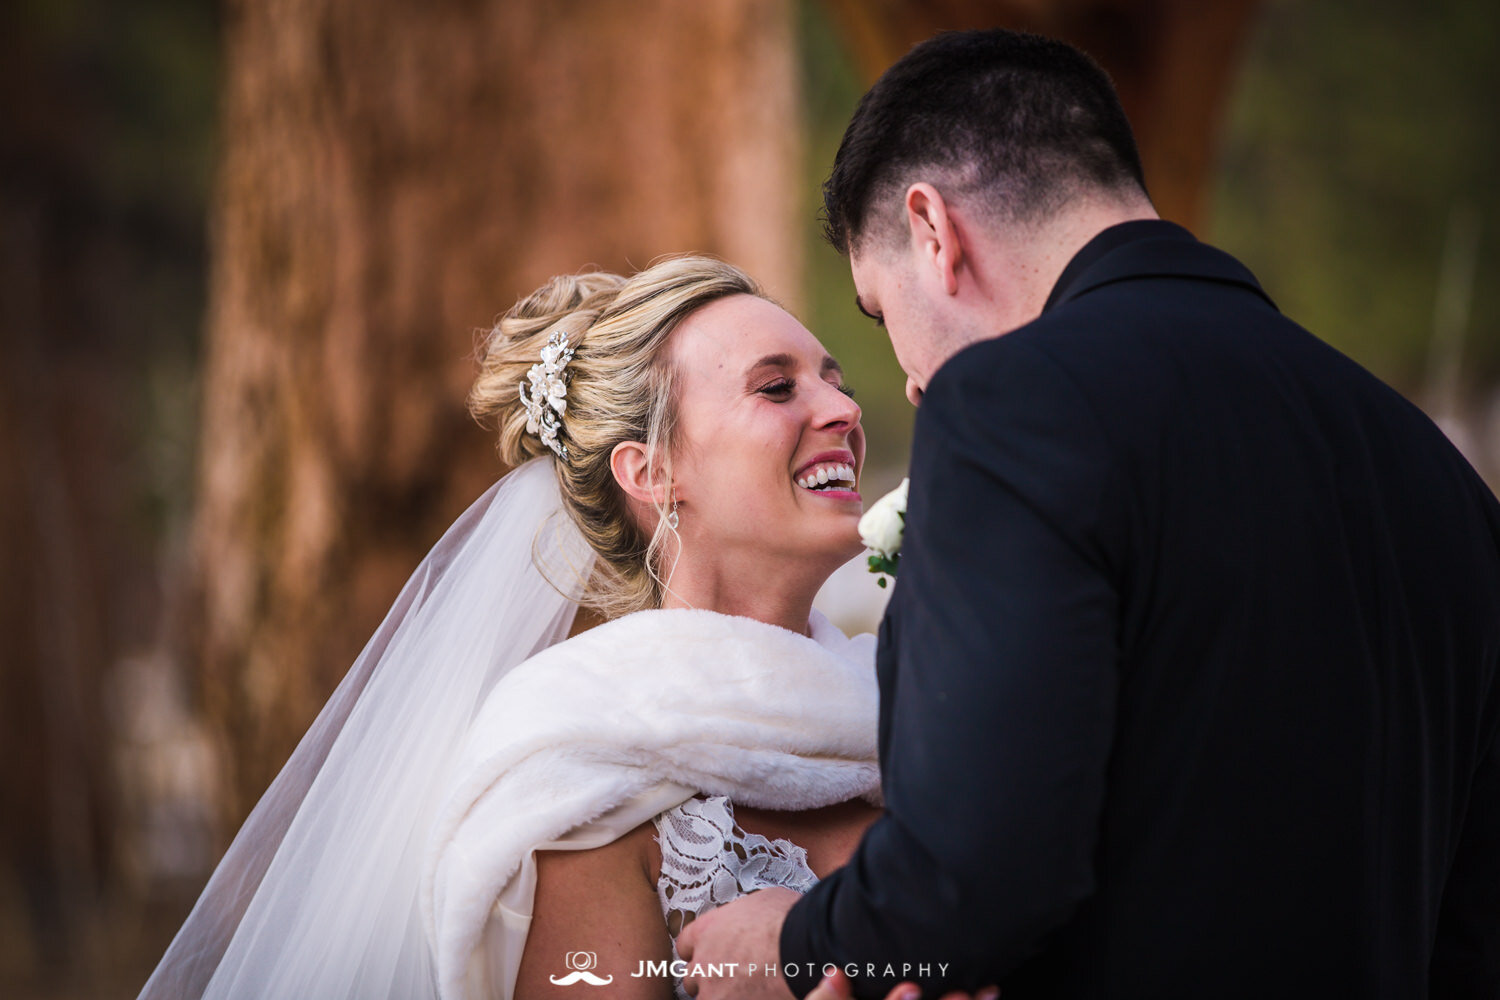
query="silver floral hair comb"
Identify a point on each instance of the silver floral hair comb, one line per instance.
(548, 399)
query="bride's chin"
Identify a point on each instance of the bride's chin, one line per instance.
(821, 552)
(843, 543)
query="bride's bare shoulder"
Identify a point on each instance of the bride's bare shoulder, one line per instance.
(632, 860)
(600, 902)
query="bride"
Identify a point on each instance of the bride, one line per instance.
(486, 808)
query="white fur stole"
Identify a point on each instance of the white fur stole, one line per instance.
(653, 707)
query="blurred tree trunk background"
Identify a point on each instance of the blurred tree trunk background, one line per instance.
(98, 225)
(394, 175)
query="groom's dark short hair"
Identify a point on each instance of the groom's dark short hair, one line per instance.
(1023, 121)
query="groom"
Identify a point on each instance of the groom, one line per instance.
(1189, 685)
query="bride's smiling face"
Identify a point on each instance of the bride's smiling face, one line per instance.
(769, 448)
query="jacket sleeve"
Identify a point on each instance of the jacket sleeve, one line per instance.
(1466, 955)
(998, 690)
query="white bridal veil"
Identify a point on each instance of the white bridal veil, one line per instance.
(318, 895)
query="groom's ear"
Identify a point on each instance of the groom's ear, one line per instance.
(630, 464)
(934, 236)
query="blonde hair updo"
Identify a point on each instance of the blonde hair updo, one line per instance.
(621, 387)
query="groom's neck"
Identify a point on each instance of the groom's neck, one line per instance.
(1038, 255)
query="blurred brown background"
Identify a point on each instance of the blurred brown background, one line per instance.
(245, 248)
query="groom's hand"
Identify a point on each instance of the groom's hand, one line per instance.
(746, 931)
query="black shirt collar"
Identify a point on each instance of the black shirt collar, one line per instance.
(1109, 239)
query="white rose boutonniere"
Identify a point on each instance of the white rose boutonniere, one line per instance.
(882, 528)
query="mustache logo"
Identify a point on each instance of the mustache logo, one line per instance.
(580, 976)
(581, 962)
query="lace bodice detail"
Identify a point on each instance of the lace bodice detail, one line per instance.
(708, 860)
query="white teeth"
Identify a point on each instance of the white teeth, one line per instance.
(827, 474)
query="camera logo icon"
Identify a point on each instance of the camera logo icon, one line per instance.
(582, 964)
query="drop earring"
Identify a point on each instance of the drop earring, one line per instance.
(672, 517)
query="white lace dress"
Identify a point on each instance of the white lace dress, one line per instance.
(708, 860)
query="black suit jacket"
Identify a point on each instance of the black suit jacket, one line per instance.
(1188, 684)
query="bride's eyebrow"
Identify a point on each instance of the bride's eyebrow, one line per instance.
(786, 361)
(779, 361)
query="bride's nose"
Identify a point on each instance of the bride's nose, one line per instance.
(837, 409)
